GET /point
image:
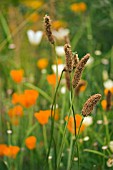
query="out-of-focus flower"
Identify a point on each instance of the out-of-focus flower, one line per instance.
(98, 52)
(2, 148)
(51, 78)
(88, 121)
(70, 125)
(63, 90)
(111, 146)
(42, 63)
(17, 75)
(61, 33)
(34, 37)
(105, 75)
(108, 84)
(60, 50)
(104, 104)
(33, 4)
(16, 111)
(11, 151)
(34, 17)
(27, 99)
(60, 68)
(78, 7)
(105, 61)
(58, 24)
(31, 142)
(109, 162)
(42, 116)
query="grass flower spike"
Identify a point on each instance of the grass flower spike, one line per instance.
(68, 54)
(90, 104)
(79, 69)
(47, 23)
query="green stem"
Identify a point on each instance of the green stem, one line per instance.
(76, 140)
(52, 116)
(70, 153)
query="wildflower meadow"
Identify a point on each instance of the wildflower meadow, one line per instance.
(56, 85)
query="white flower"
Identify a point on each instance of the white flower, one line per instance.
(61, 33)
(105, 75)
(98, 52)
(111, 146)
(60, 68)
(108, 84)
(105, 61)
(88, 121)
(63, 90)
(60, 51)
(34, 37)
(110, 162)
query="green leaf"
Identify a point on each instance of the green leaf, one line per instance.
(3, 165)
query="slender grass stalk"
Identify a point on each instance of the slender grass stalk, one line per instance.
(45, 138)
(52, 116)
(64, 136)
(77, 136)
(70, 152)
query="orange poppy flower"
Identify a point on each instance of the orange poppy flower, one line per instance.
(51, 78)
(30, 142)
(33, 4)
(106, 91)
(16, 111)
(78, 7)
(11, 151)
(17, 75)
(15, 98)
(2, 148)
(42, 63)
(27, 99)
(58, 24)
(104, 104)
(70, 125)
(42, 116)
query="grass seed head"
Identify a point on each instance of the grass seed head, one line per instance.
(90, 104)
(79, 69)
(68, 54)
(47, 23)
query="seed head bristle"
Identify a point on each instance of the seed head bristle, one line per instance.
(47, 23)
(90, 104)
(68, 54)
(79, 68)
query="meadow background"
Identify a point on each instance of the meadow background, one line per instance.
(29, 79)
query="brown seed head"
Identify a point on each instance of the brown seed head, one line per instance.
(68, 54)
(75, 60)
(90, 104)
(79, 69)
(67, 77)
(109, 100)
(47, 23)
